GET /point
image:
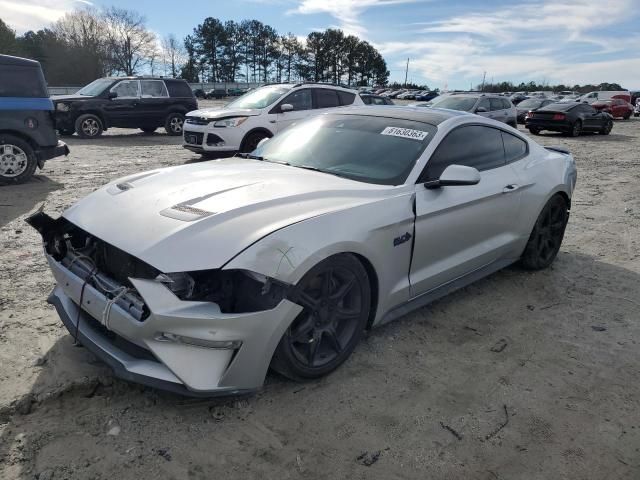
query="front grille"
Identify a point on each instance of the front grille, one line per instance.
(193, 138)
(119, 265)
(197, 120)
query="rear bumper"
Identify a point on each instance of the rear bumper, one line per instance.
(555, 126)
(47, 153)
(139, 351)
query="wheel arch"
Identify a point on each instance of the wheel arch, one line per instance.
(20, 135)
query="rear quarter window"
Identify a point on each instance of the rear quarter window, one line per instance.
(346, 98)
(179, 89)
(17, 81)
(514, 148)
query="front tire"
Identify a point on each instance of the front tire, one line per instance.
(336, 297)
(546, 237)
(250, 143)
(89, 126)
(606, 130)
(18, 160)
(174, 123)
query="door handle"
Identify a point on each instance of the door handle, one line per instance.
(272, 121)
(510, 188)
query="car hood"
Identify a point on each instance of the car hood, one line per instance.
(223, 112)
(199, 216)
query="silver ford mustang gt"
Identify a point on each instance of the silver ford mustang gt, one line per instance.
(198, 278)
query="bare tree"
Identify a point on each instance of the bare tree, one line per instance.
(130, 44)
(173, 54)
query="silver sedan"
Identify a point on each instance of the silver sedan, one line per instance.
(198, 278)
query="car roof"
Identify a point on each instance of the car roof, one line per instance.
(18, 61)
(561, 106)
(433, 116)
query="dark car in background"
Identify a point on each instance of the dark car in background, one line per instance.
(488, 105)
(126, 102)
(569, 118)
(617, 107)
(27, 131)
(530, 104)
(427, 96)
(370, 99)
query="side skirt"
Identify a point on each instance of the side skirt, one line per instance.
(443, 290)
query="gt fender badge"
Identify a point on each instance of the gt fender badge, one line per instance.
(401, 239)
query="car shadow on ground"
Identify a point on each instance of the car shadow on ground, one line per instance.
(76, 397)
(16, 200)
(588, 137)
(133, 139)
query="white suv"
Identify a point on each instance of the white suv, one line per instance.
(259, 114)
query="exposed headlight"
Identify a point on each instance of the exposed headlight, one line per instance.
(62, 107)
(230, 122)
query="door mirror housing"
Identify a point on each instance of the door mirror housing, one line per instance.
(112, 95)
(286, 107)
(481, 110)
(262, 142)
(454, 176)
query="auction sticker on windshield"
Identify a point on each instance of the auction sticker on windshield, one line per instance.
(405, 133)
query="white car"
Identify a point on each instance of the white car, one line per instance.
(260, 114)
(197, 278)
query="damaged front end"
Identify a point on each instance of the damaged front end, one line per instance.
(200, 332)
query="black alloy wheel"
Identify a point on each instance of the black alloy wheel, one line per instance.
(576, 129)
(336, 300)
(606, 130)
(546, 237)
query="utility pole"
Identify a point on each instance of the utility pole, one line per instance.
(406, 72)
(484, 76)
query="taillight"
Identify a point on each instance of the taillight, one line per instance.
(559, 116)
(529, 114)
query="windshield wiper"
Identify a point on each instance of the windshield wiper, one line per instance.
(249, 155)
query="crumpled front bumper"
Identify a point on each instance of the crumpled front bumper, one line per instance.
(139, 351)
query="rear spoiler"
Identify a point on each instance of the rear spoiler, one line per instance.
(559, 149)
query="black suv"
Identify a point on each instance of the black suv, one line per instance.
(27, 133)
(127, 102)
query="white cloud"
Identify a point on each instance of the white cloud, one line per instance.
(545, 40)
(346, 11)
(35, 14)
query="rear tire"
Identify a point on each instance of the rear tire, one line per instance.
(173, 124)
(89, 126)
(336, 300)
(606, 130)
(18, 160)
(576, 129)
(534, 131)
(546, 237)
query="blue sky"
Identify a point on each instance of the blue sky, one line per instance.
(449, 43)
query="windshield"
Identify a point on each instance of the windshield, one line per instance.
(464, 104)
(260, 98)
(530, 103)
(95, 88)
(369, 149)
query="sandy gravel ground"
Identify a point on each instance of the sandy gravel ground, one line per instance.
(519, 376)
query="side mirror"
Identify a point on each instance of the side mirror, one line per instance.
(455, 175)
(113, 95)
(262, 142)
(286, 107)
(481, 110)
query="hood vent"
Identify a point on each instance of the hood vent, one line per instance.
(186, 213)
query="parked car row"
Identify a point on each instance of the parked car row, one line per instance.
(217, 93)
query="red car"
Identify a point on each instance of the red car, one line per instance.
(616, 107)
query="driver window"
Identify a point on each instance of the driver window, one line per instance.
(126, 89)
(301, 100)
(472, 146)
